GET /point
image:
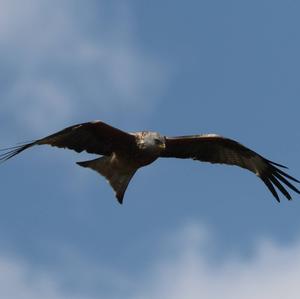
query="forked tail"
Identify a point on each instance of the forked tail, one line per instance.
(117, 175)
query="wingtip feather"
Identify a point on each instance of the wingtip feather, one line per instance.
(277, 164)
(271, 188)
(13, 151)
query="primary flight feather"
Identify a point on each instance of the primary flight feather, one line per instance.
(122, 153)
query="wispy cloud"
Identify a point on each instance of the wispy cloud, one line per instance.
(64, 62)
(18, 281)
(183, 269)
(272, 272)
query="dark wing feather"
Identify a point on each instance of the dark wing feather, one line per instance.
(217, 149)
(93, 137)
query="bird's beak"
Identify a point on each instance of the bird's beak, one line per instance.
(162, 145)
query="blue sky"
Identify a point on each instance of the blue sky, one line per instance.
(225, 67)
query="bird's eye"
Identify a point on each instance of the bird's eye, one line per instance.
(157, 141)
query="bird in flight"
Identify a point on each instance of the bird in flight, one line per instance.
(122, 153)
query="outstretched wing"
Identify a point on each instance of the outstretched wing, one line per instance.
(216, 149)
(93, 137)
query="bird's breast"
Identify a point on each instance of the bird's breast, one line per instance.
(137, 159)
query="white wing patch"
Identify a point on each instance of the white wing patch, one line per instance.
(210, 135)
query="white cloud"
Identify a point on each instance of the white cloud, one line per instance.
(17, 281)
(41, 102)
(272, 272)
(184, 270)
(64, 61)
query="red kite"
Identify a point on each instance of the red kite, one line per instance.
(124, 153)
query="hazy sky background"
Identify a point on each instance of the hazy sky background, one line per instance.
(186, 229)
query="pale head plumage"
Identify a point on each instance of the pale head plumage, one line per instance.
(151, 141)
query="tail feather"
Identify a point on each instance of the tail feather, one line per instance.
(117, 175)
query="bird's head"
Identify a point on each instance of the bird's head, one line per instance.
(153, 142)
